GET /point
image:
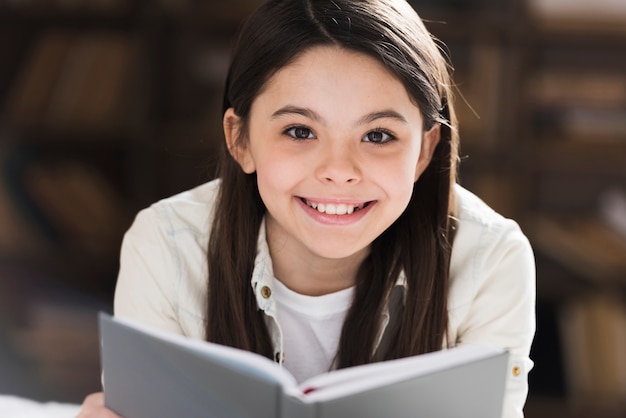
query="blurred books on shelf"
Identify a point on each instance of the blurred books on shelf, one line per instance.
(591, 315)
(478, 78)
(472, 6)
(64, 207)
(578, 104)
(49, 332)
(586, 246)
(602, 15)
(612, 209)
(60, 343)
(17, 234)
(37, 77)
(81, 205)
(593, 332)
(72, 82)
(68, 6)
(229, 12)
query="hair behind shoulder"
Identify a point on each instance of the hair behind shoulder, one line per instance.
(418, 243)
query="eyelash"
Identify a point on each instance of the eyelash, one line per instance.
(290, 131)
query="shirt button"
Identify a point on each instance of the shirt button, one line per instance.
(266, 292)
(279, 357)
(516, 371)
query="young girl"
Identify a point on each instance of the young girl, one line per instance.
(335, 234)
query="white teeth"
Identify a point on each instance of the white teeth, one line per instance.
(334, 209)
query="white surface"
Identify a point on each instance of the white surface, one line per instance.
(15, 407)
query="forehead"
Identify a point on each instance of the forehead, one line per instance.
(328, 59)
(326, 72)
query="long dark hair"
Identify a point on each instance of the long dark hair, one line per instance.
(417, 243)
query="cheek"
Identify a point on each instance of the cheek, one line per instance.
(404, 190)
(397, 181)
(399, 171)
(274, 175)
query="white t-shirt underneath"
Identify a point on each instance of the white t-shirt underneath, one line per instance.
(311, 327)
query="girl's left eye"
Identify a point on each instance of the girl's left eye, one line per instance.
(378, 137)
(300, 132)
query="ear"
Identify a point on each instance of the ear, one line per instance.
(236, 143)
(430, 139)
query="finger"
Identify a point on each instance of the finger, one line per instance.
(93, 407)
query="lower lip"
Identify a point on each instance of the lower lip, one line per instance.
(327, 219)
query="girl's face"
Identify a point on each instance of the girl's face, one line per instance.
(337, 144)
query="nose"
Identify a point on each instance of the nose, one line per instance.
(339, 164)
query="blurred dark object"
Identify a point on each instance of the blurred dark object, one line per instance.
(49, 344)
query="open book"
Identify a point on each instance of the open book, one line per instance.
(151, 373)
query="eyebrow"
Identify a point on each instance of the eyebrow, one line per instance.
(383, 114)
(311, 114)
(295, 110)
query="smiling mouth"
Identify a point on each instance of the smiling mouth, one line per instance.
(335, 208)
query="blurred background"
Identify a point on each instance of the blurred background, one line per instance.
(109, 105)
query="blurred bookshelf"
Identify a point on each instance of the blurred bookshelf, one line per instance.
(105, 107)
(109, 105)
(542, 108)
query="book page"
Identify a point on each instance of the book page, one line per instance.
(361, 378)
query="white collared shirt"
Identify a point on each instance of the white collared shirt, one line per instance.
(163, 273)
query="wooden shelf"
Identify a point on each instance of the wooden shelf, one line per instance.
(584, 245)
(599, 158)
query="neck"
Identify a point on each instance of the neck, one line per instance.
(317, 279)
(312, 275)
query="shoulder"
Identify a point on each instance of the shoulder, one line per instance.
(489, 251)
(478, 225)
(178, 229)
(162, 277)
(472, 209)
(178, 218)
(191, 209)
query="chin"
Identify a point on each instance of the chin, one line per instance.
(336, 253)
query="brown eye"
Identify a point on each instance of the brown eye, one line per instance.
(300, 132)
(378, 137)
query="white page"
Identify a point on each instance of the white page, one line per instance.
(360, 378)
